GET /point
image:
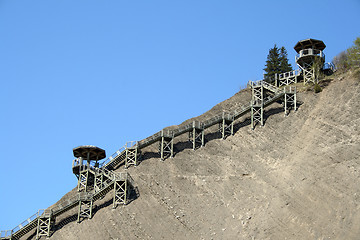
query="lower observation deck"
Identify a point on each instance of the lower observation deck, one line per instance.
(308, 55)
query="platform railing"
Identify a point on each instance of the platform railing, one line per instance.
(308, 52)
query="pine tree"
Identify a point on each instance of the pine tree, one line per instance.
(285, 66)
(272, 64)
(276, 63)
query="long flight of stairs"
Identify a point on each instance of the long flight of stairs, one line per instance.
(266, 94)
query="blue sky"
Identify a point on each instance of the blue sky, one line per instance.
(106, 72)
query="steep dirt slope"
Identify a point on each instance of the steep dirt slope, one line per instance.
(295, 178)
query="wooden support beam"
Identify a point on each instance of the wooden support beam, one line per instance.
(257, 106)
(131, 156)
(120, 192)
(85, 207)
(196, 135)
(166, 145)
(45, 223)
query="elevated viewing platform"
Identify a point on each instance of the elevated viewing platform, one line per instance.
(307, 55)
(310, 58)
(308, 50)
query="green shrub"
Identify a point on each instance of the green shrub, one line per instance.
(348, 59)
(317, 88)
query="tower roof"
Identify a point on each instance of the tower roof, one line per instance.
(95, 153)
(309, 43)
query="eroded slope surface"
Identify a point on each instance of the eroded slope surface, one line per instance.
(295, 178)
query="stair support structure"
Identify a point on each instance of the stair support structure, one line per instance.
(85, 207)
(257, 105)
(86, 179)
(99, 180)
(132, 155)
(197, 136)
(46, 221)
(120, 192)
(308, 73)
(166, 145)
(226, 126)
(285, 79)
(289, 99)
(310, 61)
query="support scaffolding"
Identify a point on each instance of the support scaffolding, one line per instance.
(226, 126)
(257, 106)
(120, 191)
(285, 79)
(307, 72)
(46, 221)
(197, 135)
(132, 155)
(85, 206)
(99, 180)
(289, 99)
(86, 179)
(166, 145)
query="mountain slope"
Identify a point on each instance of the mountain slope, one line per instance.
(294, 178)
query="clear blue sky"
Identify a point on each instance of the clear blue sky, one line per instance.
(106, 72)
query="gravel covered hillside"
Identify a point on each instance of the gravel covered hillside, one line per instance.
(295, 178)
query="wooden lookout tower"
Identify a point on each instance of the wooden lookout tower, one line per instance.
(85, 171)
(310, 58)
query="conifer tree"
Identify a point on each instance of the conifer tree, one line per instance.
(277, 62)
(285, 66)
